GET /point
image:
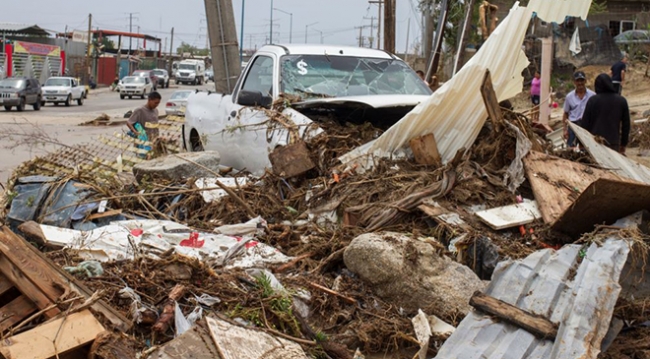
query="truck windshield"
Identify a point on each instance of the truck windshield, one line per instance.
(186, 67)
(318, 76)
(57, 82)
(12, 83)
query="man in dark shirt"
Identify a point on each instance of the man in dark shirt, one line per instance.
(607, 115)
(146, 114)
(617, 72)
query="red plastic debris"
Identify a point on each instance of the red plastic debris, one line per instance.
(137, 232)
(193, 241)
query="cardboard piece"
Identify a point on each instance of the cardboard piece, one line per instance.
(510, 216)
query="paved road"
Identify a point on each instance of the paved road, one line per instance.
(62, 124)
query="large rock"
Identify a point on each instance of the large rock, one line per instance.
(410, 274)
(175, 169)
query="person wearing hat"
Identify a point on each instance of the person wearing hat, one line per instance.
(608, 115)
(574, 106)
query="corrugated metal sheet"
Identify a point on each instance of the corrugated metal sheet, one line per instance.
(14, 28)
(578, 293)
(611, 159)
(455, 113)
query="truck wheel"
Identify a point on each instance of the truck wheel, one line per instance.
(7, 108)
(56, 104)
(21, 106)
(196, 82)
(37, 105)
(143, 92)
(80, 101)
(42, 103)
(195, 142)
(121, 97)
(67, 100)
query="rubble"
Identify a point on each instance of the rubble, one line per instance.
(410, 274)
(177, 167)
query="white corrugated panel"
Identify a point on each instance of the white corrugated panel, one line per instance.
(455, 113)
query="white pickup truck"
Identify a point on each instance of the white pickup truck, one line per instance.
(354, 84)
(63, 90)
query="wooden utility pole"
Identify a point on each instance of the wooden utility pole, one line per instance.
(171, 54)
(406, 51)
(460, 54)
(379, 3)
(427, 37)
(437, 44)
(389, 26)
(223, 44)
(360, 38)
(90, 29)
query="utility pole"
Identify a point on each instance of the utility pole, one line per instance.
(372, 27)
(271, 26)
(437, 45)
(360, 38)
(460, 54)
(130, 32)
(307, 29)
(171, 53)
(389, 26)
(223, 44)
(241, 34)
(379, 3)
(90, 29)
(406, 51)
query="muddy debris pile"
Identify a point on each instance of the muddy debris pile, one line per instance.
(333, 260)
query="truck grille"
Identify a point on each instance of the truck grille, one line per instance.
(5, 95)
(51, 91)
(184, 74)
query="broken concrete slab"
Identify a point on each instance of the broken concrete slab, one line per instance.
(409, 272)
(511, 216)
(603, 202)
(557, 182)
(178, 167)
(195, 343)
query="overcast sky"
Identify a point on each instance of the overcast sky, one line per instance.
(337, 19)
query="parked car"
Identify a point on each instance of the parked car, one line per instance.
(633, 37)
(209, 75)
(20, 92)
(178, 102)
(135, 86)
(149, 74)
(62, 90)
(162, 76)
(356, 85)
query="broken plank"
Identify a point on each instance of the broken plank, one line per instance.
(603, 202)
(5, 284)
(15, 311)
(611, 159)
(490, 100)
(425, 150)
(26, 287)
(291, 160)
(536, 325)
(557, 182)
(67, 333)
(112, 212)
(510, 216)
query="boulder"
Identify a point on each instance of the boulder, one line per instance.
(411, 275)
(174, 168)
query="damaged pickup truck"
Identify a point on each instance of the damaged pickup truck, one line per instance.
(351, 85)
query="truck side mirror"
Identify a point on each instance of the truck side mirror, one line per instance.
(254, 98)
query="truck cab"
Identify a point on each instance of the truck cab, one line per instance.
(191, 72)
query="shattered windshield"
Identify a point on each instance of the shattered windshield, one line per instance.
(57, 82)
(321, 76)
(12, 83)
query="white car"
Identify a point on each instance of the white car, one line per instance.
(64, 90)
(356, 85)
(135, 86)
(177, 103)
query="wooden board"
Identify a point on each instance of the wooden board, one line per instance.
(557, 182)
(291, 160)
(70, 332)
(490, 100)
(15, 311)
(510, 216)
(26, 287)
(603, 202)
(5, 284)
(425, 150)
(234, 342)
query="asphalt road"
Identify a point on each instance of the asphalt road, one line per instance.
(21, 133)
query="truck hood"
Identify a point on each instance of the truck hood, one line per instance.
(374, 101)
(55, 88)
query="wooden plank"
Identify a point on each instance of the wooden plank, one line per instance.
(26, 287)
(58, 277)
(234, 342)
(491, 101)
(557, 182)
(68, 333)
(112, 212)
(510, 216)
(535, 324)
(5, 284)
(603, 202)
(15, 311)
(425, 150)
(291, 160)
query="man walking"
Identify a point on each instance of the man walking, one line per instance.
(607, 115)
(617, 72)
(574, 106)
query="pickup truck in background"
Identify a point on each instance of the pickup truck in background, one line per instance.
(354, 85)
(63, 90)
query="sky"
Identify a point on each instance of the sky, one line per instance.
(338, 20)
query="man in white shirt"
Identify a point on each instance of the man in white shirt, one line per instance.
(574, 106)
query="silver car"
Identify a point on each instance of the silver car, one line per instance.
(177, 103)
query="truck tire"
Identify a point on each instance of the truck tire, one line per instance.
(80, 101)
(121, 97)
(195, 142)
(37, 105)
(196, 81)
(21, 106)
(7, 108)
(67, 100)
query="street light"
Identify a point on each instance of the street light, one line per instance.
(290, 23)
(321, 35)
(306, 31)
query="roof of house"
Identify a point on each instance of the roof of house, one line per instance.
(11, 28)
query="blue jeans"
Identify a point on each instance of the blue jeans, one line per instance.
(573, 140)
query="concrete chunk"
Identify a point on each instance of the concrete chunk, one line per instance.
(175, 169)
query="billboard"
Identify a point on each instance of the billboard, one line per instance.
(36, 49)
(80, 36)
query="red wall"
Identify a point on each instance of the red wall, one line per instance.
(106, 70)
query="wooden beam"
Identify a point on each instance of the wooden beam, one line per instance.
(425, 150)
(26, 287)
(5, 284)
(14, 312)
(291, 160)
(535, 324)
(67, 333)
(491, 101)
